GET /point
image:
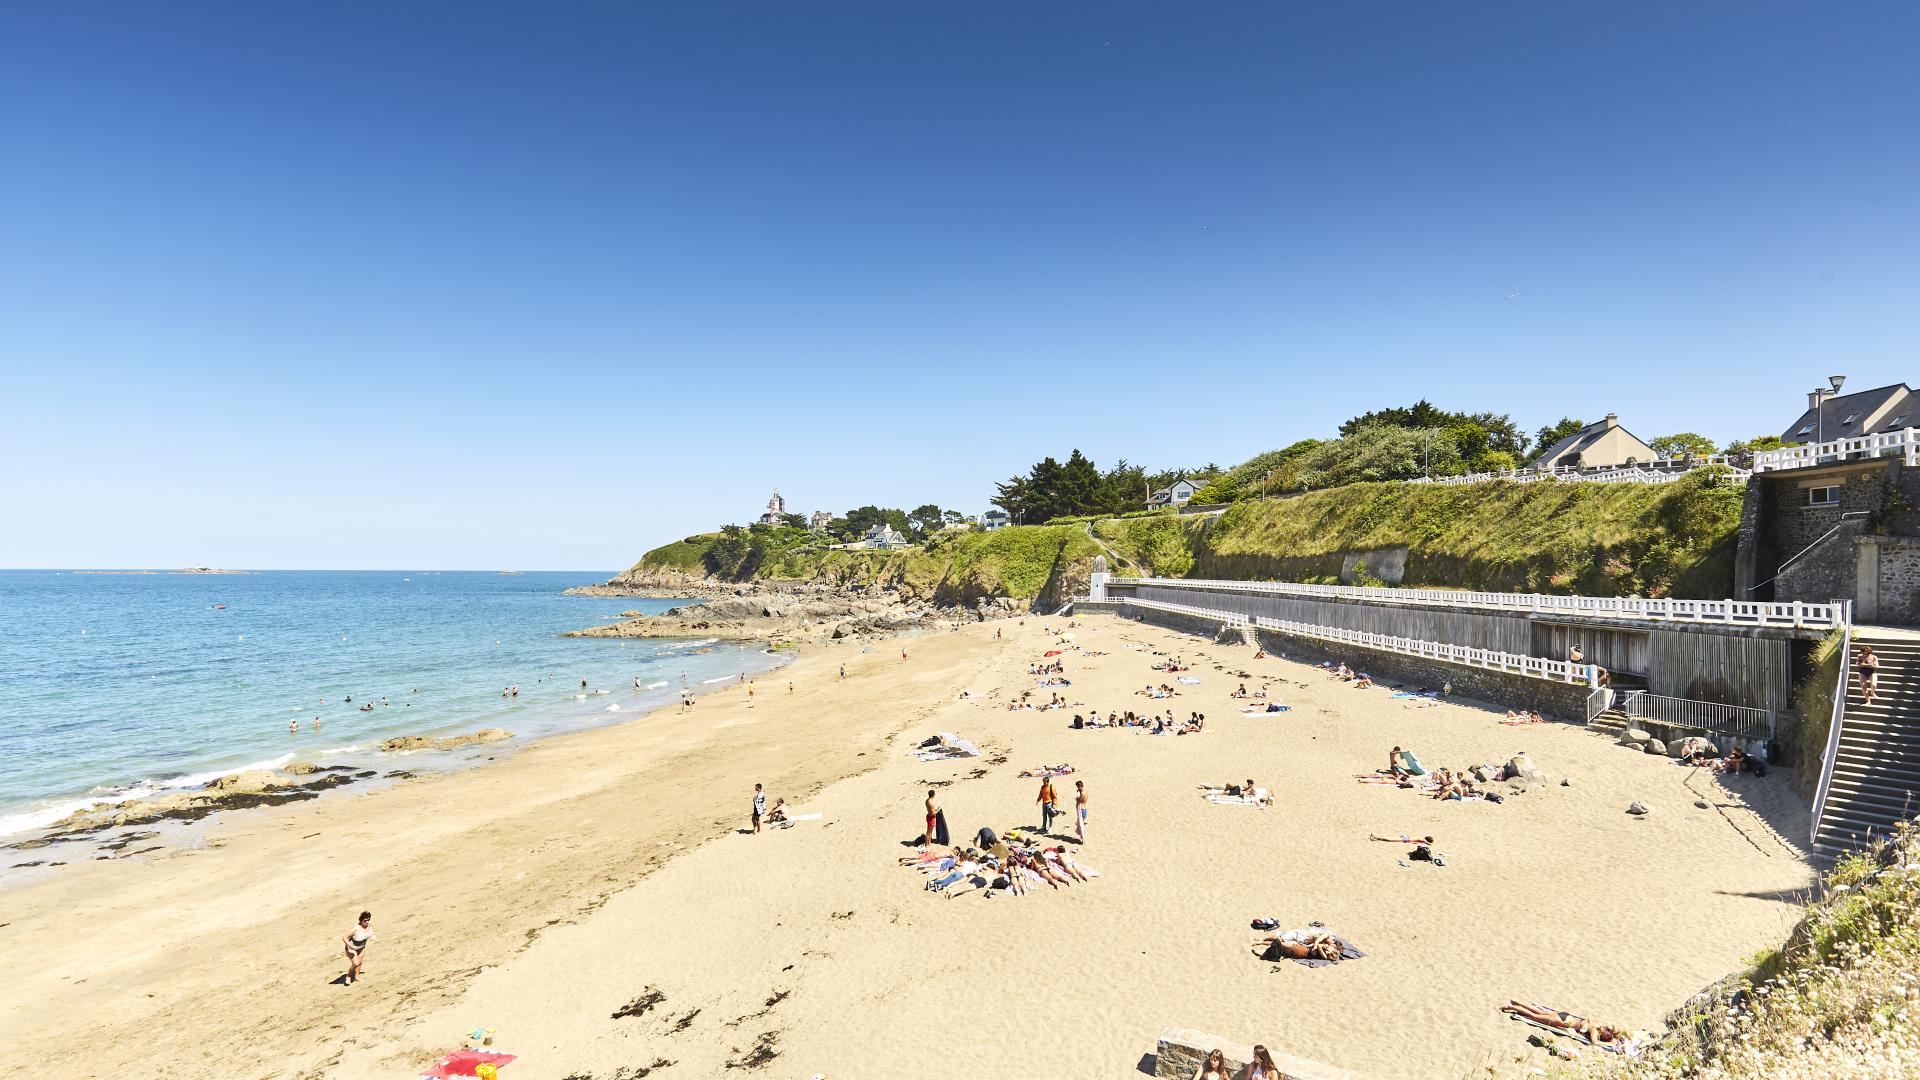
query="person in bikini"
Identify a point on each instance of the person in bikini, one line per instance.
(1597, 1034)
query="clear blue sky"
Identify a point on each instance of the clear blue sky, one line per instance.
(417, 285)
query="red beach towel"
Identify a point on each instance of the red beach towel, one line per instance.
(1055, 652)
(463, 1062)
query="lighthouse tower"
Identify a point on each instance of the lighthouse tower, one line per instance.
(776, 508)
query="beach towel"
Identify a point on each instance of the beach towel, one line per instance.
(1051, 652)
(1264, 710)
(1347, 952)
(464, 1062)
(792, 818)
(940, 835)
(1412, 763)
(1188, 679)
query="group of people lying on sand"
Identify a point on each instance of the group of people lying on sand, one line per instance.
(1009, 865)
(1170, 666)
(1405, 770)
(1518, 717)
(1055, 668)
(1161, 691)
(1153, 725)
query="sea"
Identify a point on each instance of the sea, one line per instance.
(124, 685)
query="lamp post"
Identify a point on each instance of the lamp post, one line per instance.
(1820, 397)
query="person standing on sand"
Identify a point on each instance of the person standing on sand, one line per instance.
(759, 807)
(903, 652)
(843, 673)
(356, 941)
(1080, 810)
(1046, 801)
(933, 818)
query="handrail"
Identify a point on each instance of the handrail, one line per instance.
(1905, 441)
(1797, 614)
(1532, 666)
(1834, 722)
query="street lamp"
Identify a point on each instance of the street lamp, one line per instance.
(1820, 398)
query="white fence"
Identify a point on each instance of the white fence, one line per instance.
(1737, 721)
(1532, 666)
(1724, 612)
(1653, 472)
(1904, 443)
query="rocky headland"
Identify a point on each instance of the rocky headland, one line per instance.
(796, 614)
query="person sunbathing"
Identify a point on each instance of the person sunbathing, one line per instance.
(1260, 654)
(1064, 863)
(1364, 682)
(1403, 838)
(778, 815)
(1241, 692)
(1597, 1034)
(1310, 943)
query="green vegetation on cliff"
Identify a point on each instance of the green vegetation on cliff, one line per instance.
(1672, 539)
(953, 568)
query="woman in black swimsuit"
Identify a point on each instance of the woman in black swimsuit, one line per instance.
(356, 941)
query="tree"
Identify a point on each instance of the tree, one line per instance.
(1220, 489)
(728, 552)
(794, 521)
(1685, 444)
(858, 520)
(926, 520)
(1497, 430)
(952, 517)
(1012, 497)
(1553, 433)
(1757, 443)
(1497, 461)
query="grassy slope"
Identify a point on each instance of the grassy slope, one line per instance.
(953, 568)
(1673, 539)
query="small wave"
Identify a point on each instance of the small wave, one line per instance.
(615, 707)
(341, 750)
(107, 795)
(656, 685)
(723, 678)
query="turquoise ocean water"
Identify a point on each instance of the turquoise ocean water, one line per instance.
(115, 686)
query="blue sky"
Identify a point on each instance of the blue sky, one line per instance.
(481, 285)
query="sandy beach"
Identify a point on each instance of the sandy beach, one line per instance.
(541, 894)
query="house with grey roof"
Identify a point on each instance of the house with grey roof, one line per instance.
(1869, 412)
(1603, 444)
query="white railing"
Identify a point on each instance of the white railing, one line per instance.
(1658, 471)
(1599, 700)
(1834, 721)
(1737, 721)
(1727, 612)
(1905, 443)
(1532, 666)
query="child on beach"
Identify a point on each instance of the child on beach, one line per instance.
(356, 941)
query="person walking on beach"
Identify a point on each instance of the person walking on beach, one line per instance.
(1047, 804)
(749, 694)
(356, 941)
(1080, 810)
(1869, 667)
(759, 807)
(843, 673)
(933, 819)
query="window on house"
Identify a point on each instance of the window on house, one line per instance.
(1851, 417)
(1808, 430)
(1897, 421)
(1823, 496)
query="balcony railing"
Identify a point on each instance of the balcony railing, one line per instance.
(1794, 614)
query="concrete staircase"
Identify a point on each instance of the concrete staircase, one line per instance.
(1876, 769)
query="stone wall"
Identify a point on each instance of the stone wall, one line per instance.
(1181, 1051)
(1870, 559)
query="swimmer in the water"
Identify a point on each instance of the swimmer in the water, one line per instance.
(293, 726)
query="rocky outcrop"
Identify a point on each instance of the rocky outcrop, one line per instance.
(804, 613)
(450, 742)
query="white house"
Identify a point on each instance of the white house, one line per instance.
(1178, 493)
(1603, 444)
(883, 536)
(994, 519)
